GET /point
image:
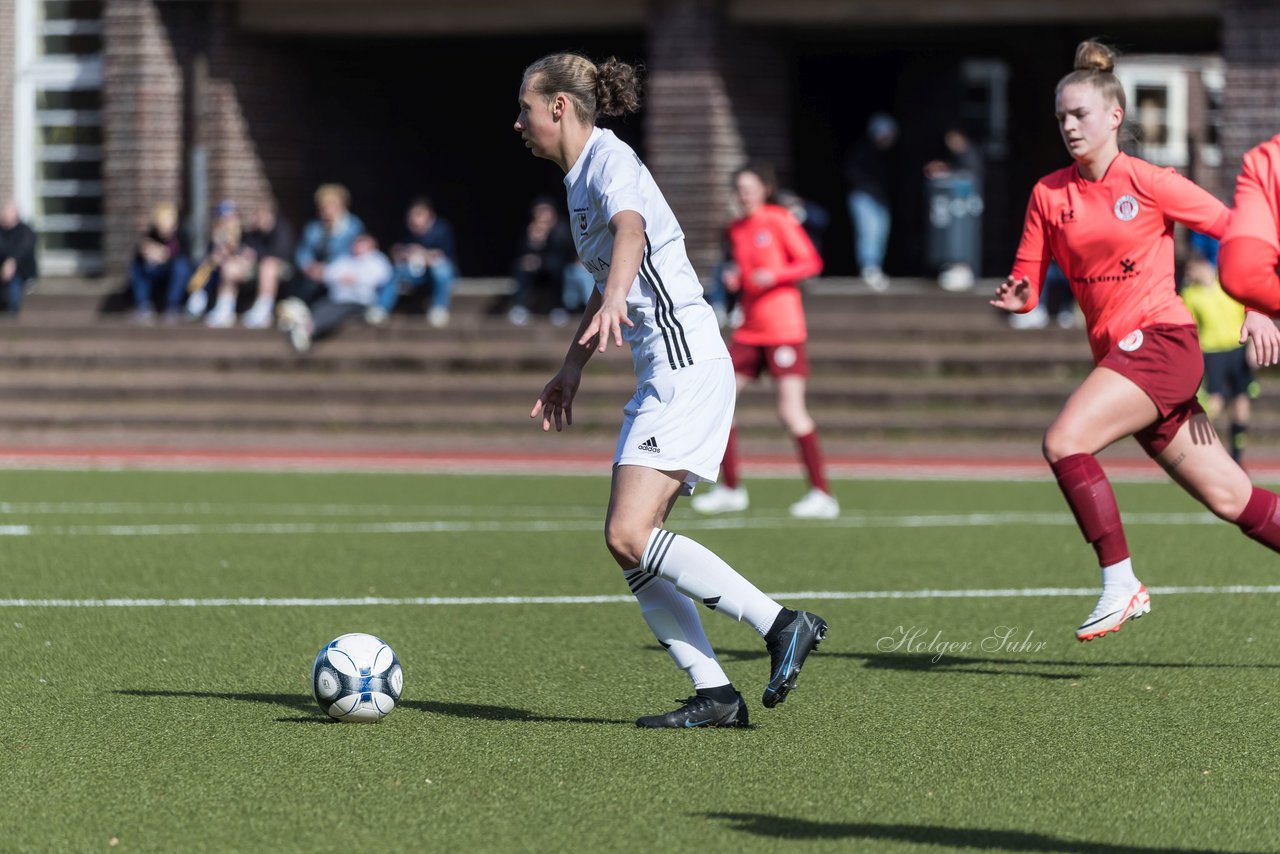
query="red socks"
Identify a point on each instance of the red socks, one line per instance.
(1089, 494)
(729, 465)
(811, 456)
(1260, 520)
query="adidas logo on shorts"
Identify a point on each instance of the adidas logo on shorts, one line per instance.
(650, 445)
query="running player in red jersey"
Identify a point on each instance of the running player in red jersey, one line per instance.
(772, 255)
(1247, 265)
(1108, 221)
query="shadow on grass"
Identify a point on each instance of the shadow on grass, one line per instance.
(924, 662)
(779, 827)
(304, 703)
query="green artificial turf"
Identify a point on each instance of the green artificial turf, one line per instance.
(181, 728)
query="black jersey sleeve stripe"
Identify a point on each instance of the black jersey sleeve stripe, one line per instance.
(664, 309)
(659, 287)
(659, 310)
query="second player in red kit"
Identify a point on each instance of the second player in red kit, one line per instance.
(1108, 221)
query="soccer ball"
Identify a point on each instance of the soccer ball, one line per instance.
(357, 677)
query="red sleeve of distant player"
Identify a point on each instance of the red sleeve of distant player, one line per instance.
(1247, 269)
(1251, 246)
(1032, 260)
(1184, 201)
(802, 259)
(1256, 212)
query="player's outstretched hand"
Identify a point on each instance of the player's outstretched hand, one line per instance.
(556, 401)
(1262, 331)
(607, 323)
(1012, 294)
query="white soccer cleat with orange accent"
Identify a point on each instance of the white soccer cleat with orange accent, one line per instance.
(1114, 608)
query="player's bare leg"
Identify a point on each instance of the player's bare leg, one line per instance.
(1106, 407)
(818, 503)
(1200, 464)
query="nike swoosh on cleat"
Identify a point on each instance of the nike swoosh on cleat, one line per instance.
(786, 662)
(691, 724)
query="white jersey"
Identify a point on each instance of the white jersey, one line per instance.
(674, 325)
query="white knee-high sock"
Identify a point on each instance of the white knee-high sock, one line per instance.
(675, 623)
(700, 574)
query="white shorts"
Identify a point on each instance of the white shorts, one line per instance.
(680, 421)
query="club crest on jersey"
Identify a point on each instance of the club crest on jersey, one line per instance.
(582, 222)
(1132, 341)
(1126, 208)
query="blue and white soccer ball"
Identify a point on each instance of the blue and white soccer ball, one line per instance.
(357, 677)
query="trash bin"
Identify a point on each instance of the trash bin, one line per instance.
(955, 221)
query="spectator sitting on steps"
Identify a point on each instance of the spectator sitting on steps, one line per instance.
(17, 257)
(425, 257)
(325, 239)
(352, 281)
(160, 261)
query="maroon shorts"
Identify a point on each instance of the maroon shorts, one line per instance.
(782, 359)
(1164, 361)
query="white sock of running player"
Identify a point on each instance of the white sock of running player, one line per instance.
(700, 574)
(1120, 575)
(674, 621)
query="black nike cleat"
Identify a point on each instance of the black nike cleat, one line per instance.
(699, 711)
(787, 653)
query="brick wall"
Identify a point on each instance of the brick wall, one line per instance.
(142, 123)
(247, 117)
(7, 70)
(716, 97)
(253, 119)
(1251, 105)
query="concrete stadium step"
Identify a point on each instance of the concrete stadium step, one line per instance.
(101, 382)
(915, 365)
(335, 418)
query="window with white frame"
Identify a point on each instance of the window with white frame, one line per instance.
(58, 130)
(1156, 90)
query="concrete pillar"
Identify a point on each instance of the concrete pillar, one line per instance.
(8, 69)
(716, 97)
(142, 129)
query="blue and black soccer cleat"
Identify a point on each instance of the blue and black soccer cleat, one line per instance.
(699, 711)
(787, 653)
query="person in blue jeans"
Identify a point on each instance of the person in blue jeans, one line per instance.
(867, 171)
(160, 262)
(17, 257)
(425, 257)
(325, 239)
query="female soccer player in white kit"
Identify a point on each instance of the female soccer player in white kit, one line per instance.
(677, 424)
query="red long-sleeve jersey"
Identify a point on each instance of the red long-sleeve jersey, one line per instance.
(1113, 239)
(771, 239)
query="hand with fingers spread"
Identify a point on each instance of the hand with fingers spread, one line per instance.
(607, 323)
(1265, 337)
(1012, 294)
(555, 404)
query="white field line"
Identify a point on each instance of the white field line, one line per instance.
(250, 602)
(205, 508)
(436, 526)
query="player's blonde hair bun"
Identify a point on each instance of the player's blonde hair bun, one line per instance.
(1093, 55)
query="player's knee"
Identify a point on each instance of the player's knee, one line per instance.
(625, 542)
(1227, 500)
(1057, 444)
(796, 423)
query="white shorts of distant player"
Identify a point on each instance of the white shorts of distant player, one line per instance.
(679, 421)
